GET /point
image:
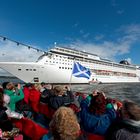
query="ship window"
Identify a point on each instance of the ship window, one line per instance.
(27, 69)
(19, 69)
(59, 67)
(65, 67)
(62, 67)
(34, 69)
(30, 69)
(36, 79)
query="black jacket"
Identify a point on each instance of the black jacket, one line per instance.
(56, 101)
(5, 123)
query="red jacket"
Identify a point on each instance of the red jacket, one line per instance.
(26, 92)
(34, 99)
(30, 128)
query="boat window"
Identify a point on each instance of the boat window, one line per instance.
(36, 79)
(34, 69)
(27, 69)
(19, 69)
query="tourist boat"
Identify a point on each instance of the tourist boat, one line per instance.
(56, 66)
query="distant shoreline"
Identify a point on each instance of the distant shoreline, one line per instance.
(12, 77)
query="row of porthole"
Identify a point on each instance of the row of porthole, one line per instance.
(28, 69)
(65, 68)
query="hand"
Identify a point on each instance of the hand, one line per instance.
(95, 92)
(21, 116)
(67, 88)
(18, 86)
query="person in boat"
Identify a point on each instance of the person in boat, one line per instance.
(60, 97)
(7, 129)
(128, 127)
(15, 94)
(64, 126)
(96, 115)
(46, 92)
(45, 86)
(26, 91)
(34, 97)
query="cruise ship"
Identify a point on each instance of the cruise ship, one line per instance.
(56, 65)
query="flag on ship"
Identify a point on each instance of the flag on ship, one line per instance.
(80, 71)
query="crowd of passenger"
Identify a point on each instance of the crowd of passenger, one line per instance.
(46, 112)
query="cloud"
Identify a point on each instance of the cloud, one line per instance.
(11, 52)
(128, 35)
(120, 12)
(76, 25)
(86, 35)
(99, 37)
(106, 49)
(114, 3)
(129, 60)
(81, 31)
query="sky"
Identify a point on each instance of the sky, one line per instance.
(108, 28)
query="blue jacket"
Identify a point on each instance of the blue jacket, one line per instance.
(96, 124)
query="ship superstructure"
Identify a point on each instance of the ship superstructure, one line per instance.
(56, 66)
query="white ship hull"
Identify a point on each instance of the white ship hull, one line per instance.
(57, 68)
(52, 74)
(47, 73)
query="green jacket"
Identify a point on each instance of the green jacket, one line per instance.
(14, 98)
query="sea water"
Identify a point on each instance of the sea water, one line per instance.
(122, 91)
